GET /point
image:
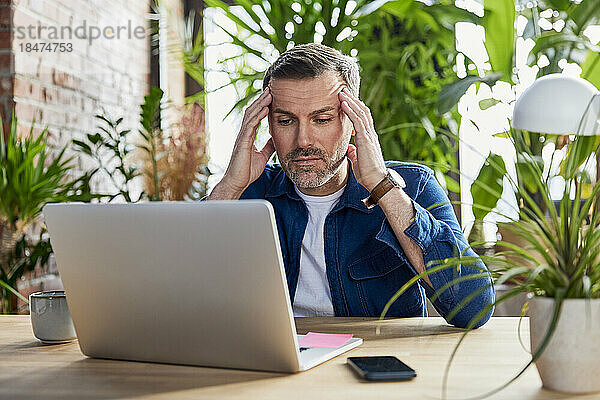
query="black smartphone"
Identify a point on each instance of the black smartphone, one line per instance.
(381, 368)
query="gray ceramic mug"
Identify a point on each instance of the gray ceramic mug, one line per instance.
(50, 317)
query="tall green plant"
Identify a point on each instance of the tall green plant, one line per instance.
(407, 52)
(30, 178)
(152, 135)
(273, 26)
(568, 43)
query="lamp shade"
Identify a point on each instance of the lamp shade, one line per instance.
(559, 104)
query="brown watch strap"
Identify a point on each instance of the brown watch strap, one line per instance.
(378, 192)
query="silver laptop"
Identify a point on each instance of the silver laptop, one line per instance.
(182, 283)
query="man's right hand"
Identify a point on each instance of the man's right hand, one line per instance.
(247, 162)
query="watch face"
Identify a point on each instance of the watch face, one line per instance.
(398, 180)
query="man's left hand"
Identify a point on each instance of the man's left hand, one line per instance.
(367, 160)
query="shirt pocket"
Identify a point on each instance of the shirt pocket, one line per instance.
(377, 277)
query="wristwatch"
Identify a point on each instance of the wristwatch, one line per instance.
(391, 180)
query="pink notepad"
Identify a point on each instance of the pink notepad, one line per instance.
(330, 340)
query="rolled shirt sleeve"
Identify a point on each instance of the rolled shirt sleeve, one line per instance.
(436, 231)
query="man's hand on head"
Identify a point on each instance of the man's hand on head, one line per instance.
(366, 157)
(369, 168)
(247, 163)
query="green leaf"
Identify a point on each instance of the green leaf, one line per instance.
(450, 94)
(13, 291)
(487, 188)
(146, 149)
(94, 138)
(82, 146)
(449, 14)
(397, 8)
(151, 109)
(106, 120)
(239, 22)
(591, 68)
(578, 152)
(553, 40)
(498, 22)
(560, 5)
(527, 167)
(488, 103)
(451, 184)
(585, 12)
(145, 136)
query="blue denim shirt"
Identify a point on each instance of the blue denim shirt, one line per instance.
(365, 263)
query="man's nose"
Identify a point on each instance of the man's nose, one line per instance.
(304, 136)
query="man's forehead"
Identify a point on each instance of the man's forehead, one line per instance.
(309, 94)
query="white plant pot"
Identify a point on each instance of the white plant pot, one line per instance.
(571, 360)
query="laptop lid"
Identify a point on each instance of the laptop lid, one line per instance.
(186, 283)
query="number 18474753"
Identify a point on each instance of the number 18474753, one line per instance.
(49, 47)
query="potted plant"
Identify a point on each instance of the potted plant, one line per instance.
(565, 308)
(29, 179)
(559, 265)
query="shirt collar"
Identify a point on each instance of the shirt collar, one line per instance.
(352, 196)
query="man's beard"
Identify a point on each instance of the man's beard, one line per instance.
(312, 176)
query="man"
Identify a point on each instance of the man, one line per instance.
(353, 228)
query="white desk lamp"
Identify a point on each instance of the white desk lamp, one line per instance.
(559, 104)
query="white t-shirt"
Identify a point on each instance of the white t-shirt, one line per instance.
(313, 297)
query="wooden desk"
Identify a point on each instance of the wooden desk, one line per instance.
(489, 357)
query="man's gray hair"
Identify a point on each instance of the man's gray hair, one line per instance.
(310, 61)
